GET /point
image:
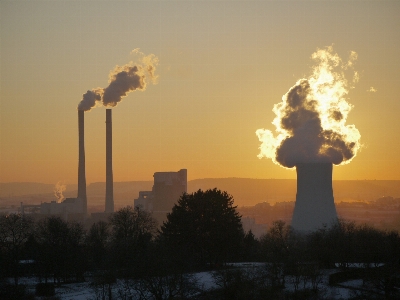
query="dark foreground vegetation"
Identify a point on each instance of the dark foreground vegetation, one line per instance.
(201, 234)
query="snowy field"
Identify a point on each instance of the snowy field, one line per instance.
(85, 291)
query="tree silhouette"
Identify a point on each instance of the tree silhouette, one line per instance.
(97, 244)
(251, 247)
(14, 232)
(205, 225)
(276, 243)
(132, 230)
(61, 248)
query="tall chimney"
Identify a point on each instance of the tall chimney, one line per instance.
(109, 172)
(81, 166)
(314, 207)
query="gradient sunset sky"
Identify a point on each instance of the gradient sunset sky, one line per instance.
(222, 67)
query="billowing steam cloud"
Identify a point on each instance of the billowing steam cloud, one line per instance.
(310, 120)
(122, 80)
(59, 188)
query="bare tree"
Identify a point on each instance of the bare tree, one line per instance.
(61, 248)
(15, 230)
(132, 231)
(166, 286)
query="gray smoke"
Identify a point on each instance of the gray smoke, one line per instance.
(308, 141)
(90, 98)
(122, 80)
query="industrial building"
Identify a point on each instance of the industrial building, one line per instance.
(167, 188)
(69, 209)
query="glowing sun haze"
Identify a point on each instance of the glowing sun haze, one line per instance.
(311, 119)
(221, 68)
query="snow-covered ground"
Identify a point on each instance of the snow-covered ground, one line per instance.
(85, 291)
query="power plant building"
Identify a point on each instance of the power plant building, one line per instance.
(167, 189)
(66, 207)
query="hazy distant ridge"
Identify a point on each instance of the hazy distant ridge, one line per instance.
(245, 191)
(26, 188)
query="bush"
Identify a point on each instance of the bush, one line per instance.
(45, 289)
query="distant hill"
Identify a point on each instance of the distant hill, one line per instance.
(365, 189)
(245, 191)
(11, 189)
(248, 191)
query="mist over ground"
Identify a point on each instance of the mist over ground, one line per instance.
(245, 191)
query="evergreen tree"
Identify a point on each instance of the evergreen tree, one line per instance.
(205, 226)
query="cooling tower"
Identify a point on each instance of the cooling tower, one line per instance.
(314, 206)
(109, 172)
(81, 165)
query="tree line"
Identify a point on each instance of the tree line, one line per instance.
(202, 232)
(203, 229)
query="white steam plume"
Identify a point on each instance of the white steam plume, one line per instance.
(310, 120)
(122, 80)
(59, 188)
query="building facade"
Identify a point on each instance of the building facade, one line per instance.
(167, 189)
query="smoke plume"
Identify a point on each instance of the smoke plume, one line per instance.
(122, 80)
(59, 188)
(310, 120)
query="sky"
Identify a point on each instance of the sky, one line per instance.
(222, 66)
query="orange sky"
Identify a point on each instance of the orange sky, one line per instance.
(222, 67)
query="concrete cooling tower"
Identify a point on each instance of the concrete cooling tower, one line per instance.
(314, 206)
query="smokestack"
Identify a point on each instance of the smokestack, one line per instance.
(109, 172)
(81, 166)
(314, 206)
